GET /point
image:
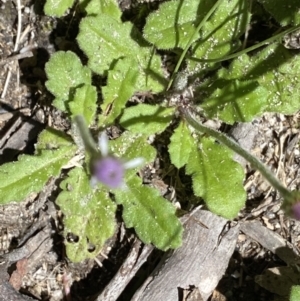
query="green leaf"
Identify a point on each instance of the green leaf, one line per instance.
(56, 8)
(84, 103)
(275, 69)
(89, 215)
(151, 77)
(30, 173)
(152, 217)
(146, 119)
(120, 87)
(220, 35)
(295, 293)
(181, 145)
(106, 40)
(172, 24)
(129, 146)
(65, 73)
(285, 12)
(217, 178)
(237, 101)
(52, 139)
(108, 7)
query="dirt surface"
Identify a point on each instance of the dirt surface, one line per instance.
(33, 265)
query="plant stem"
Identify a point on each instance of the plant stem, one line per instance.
(200, 25)
(236, 54)
(85, 134)
(230, 143)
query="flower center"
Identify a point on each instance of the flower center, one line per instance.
(109, 171)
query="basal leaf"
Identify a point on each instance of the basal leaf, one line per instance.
(295, 293)
(120, 87)
(220, 34)
(108, 7)
(237, 101)
(217, 178)
(84, 103)
(146, 119)
(56, 8)
(130, 146)
(152, 216)
(65, 73)
(30, 173)
(285, 12)
(89, 215)
(275, 69)
(106, 40)
(151, 77)
(181, 145)
(172, 24)
(53, 139)
(282, 82)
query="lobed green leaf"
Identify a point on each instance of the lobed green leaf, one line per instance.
(220, 34)
(181, 144)
(285, 12)
(295, 293)
(146, 119)
(236, 101)
(53, 139)
(129, 146)
(89, 215)
(65, 74)
(275, 69)
(105, 40)
(84, 102)
(152, 217)
(107, 7)
(120, 87)
(30, 173)
(56, 8)
(217, 178)
(172, 24)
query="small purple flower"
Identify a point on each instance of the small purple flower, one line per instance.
(296, 211)
(108, 169)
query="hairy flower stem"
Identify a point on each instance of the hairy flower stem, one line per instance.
(186, 48)
(288, 195)
(86, 136)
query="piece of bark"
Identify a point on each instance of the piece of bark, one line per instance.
(269, 240)
(42, 241)
(30, 254)
(18, 140)
(194, 295)
(200, 262)
(8, 293)
(135, 259)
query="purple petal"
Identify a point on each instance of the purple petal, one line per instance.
(296, 211)
(109, 171)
